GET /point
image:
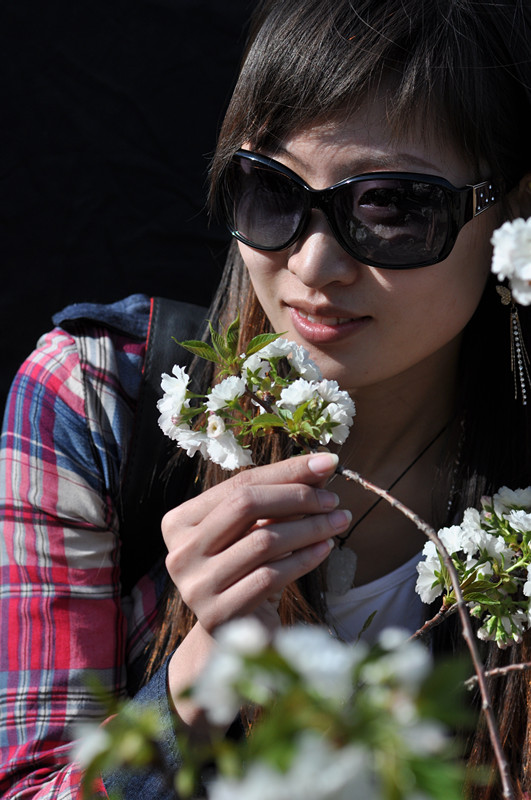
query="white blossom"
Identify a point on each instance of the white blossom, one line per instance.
(471, 531)
(519, 520)
(173, 400)
(225, 392)
(225, 451)
(256, 364)
(451, 538)
(215, 426)
(297, 393)
(512, 257)
(324, 662)
(426, 578)
(331, 393)
(303, 364)
(280, 348)
(176, 386)
(506, 500)
(191, 441)
(527, 585)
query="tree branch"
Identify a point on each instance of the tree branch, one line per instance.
(468, 633)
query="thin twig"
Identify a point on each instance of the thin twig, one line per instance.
(468, 633)
(499, 672)
(442, 614)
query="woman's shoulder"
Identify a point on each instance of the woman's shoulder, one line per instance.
(128, 316)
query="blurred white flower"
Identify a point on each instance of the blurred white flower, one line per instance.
(512, 257)
(223, 393)
(325, 663)
(317, 771)
(91, 740)
(407, 662)
(225, 451)
(215, 691)
(246, 636)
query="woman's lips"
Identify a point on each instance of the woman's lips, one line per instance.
(319, 329)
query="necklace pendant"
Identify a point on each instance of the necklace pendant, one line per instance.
(341, 570)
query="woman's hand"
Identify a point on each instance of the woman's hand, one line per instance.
(239, 544)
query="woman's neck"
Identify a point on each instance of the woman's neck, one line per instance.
(393, 423)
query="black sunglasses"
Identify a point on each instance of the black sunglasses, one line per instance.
(395, 220)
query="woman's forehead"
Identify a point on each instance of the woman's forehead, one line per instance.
(366, 141)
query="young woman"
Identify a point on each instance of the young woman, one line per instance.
(417, 114)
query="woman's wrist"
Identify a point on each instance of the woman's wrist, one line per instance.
(184, 668)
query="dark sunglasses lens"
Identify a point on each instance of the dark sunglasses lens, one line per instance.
(393, 222)
(264, 207)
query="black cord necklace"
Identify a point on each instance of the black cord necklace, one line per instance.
(342, 562)
(345, 536)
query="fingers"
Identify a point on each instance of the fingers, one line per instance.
(254, 569)
(242, 542)
(253, 592)
(312, 470)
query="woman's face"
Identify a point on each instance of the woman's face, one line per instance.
(365, 325)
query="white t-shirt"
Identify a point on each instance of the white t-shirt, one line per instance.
(393, 597)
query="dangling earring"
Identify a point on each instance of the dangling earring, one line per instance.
(519, 356)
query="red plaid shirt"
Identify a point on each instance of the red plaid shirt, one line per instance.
(65, 440)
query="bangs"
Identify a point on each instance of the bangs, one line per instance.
(433, 61)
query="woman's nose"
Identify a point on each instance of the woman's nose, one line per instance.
(318, 259)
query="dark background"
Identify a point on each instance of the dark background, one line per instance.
(109, 112)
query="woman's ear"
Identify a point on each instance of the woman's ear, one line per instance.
(520, 198)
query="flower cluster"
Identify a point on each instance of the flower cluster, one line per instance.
(337, 721)
(491, 551)
(512, 257)
(284, 390)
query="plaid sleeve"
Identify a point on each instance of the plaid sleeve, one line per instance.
(65, 436)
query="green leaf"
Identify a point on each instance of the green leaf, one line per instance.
(299, 411)
(480, 597)
(367, 623)
(198, 348)
(220, 346)
(266, 421)
(257, 342)
(233, 336)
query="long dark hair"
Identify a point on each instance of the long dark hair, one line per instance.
(463, 66)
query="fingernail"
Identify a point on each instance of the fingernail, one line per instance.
(327, 500)
(340, 519)
(323, 548)
(323, 463)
